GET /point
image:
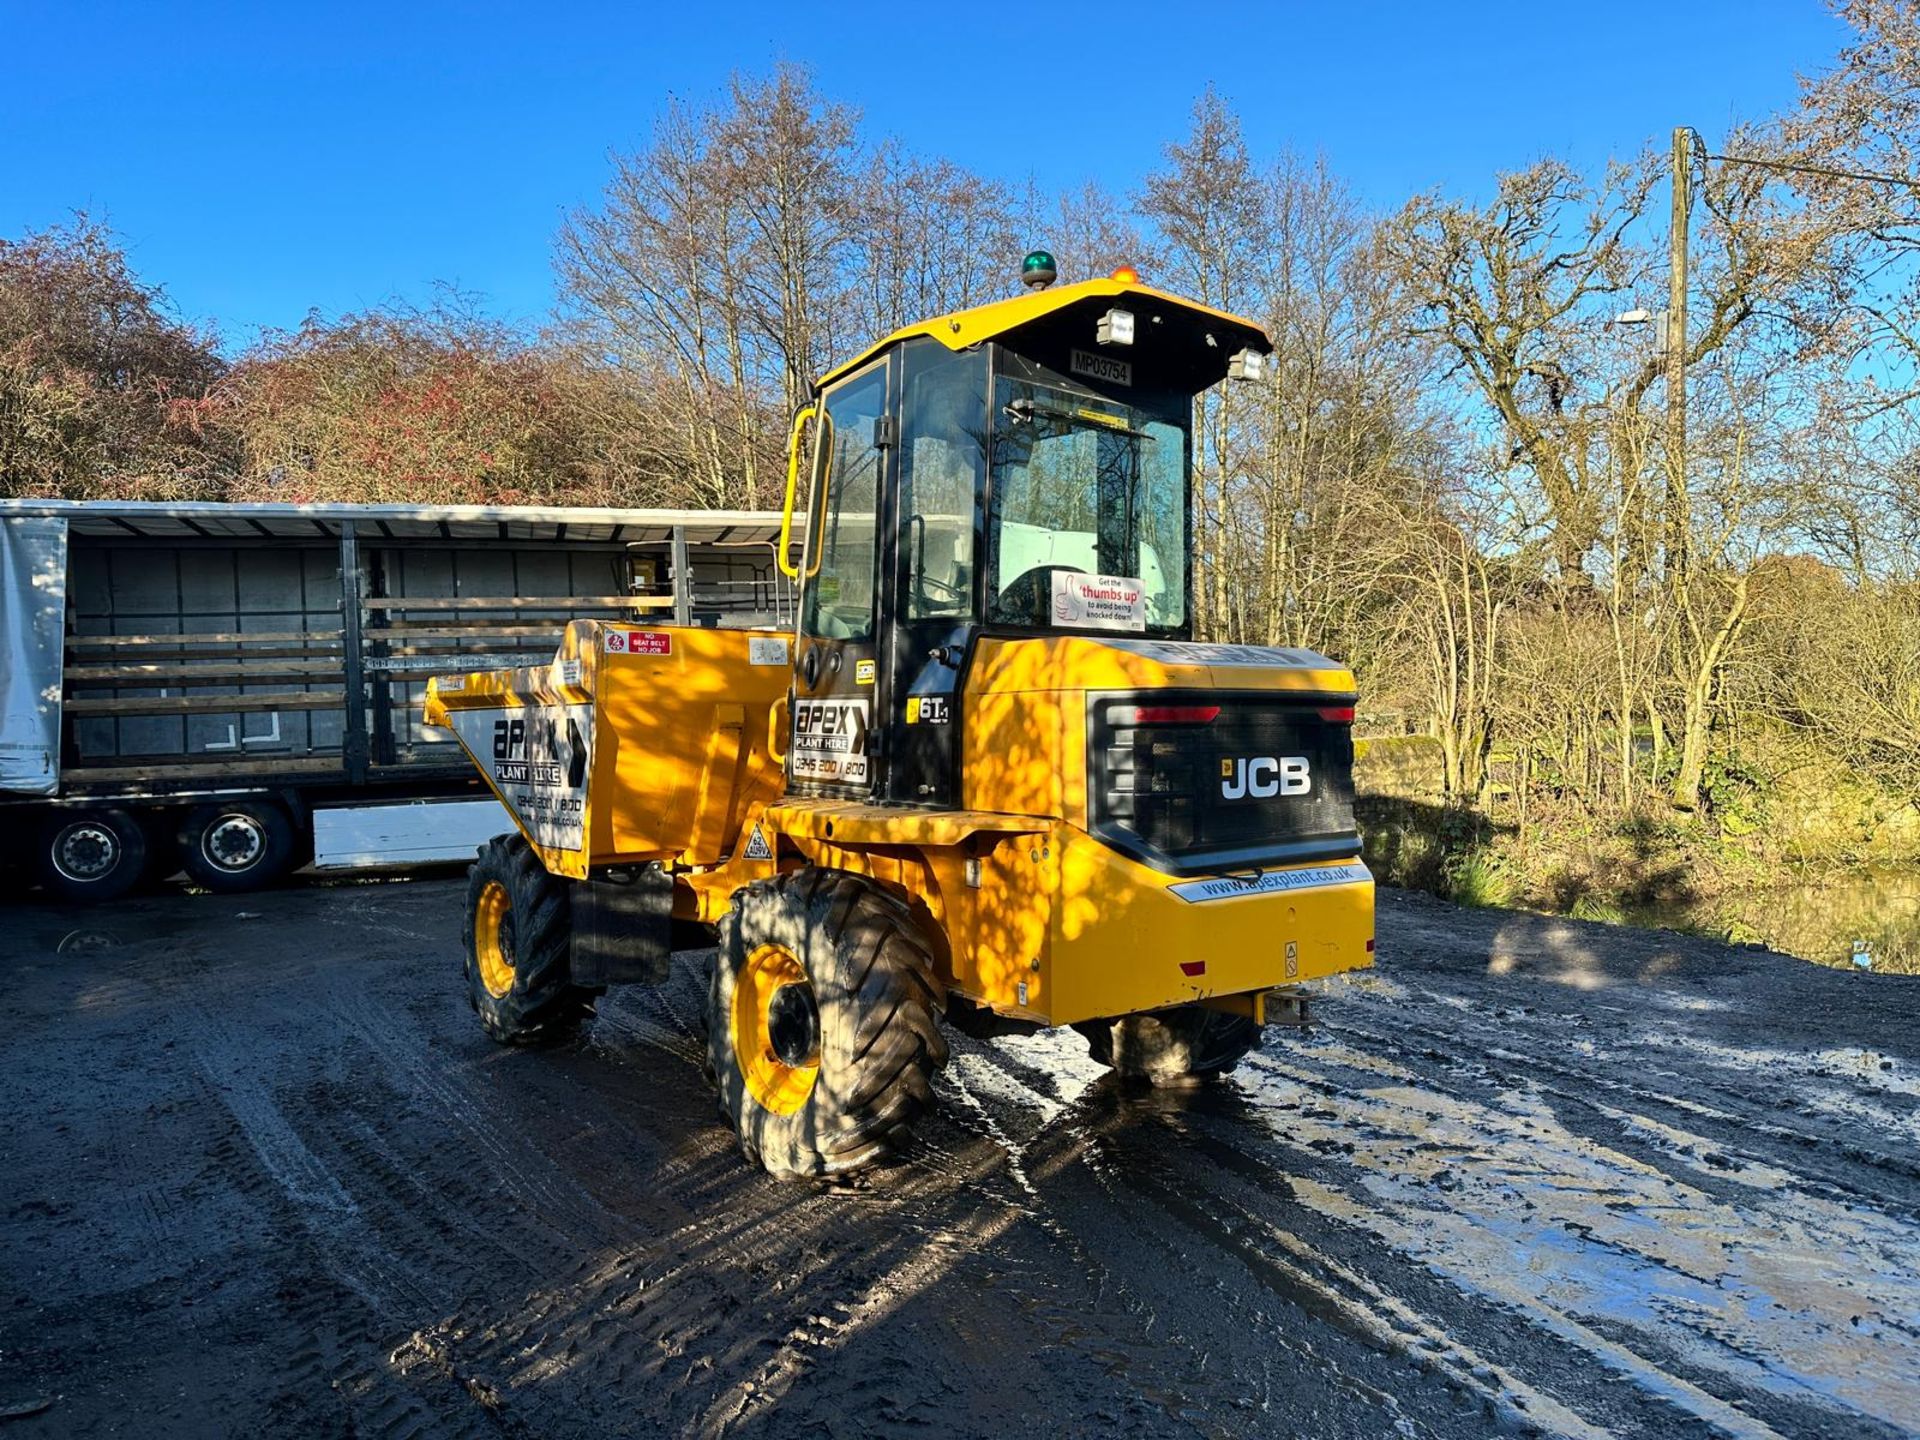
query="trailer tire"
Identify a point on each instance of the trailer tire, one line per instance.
(1169, 1048)
(96, 854)
(519, 925)
(238, 846)
(821, 1023)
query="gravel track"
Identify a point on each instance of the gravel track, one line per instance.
(262, 1175)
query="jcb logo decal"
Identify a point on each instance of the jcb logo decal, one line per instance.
(1264, 776)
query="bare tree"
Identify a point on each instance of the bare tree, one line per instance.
(713, 269)
(1514, 292)
(1204, 206)
(932, 237)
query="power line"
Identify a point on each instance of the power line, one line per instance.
(1827, 170)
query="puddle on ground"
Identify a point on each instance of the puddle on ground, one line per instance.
(1778, 1289)
(129, 928)
(1831, 920)
(81, 942)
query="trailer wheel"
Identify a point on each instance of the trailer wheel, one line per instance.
(519, 923)
(92, 854)
(1181, 1046)
(821, 1023)
(237, 846)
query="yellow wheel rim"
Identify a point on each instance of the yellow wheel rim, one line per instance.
(493, 938)
(776, 1062)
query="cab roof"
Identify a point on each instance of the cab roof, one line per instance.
(1201, 345)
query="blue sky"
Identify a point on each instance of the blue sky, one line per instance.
(262, 159)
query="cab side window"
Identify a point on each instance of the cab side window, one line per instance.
(943, 460)
(841, 564)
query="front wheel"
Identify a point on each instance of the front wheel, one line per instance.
(1181, 1046)
(821, 1023)
(519, 927)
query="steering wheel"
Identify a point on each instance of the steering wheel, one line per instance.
(932, 588)
(1027, 599)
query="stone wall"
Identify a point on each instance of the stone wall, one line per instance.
(1400, 767)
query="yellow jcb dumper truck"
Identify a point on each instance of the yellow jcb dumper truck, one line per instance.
(987, 780)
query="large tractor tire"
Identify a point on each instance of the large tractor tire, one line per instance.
(821, 1025)
(519, 923)
(1182, 1046)
(95, 854)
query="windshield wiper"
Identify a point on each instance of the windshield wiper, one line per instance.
(1025, 411)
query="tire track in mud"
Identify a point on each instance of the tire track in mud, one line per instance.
(1747, 1293)
(377, 1245)
(1476, 1201)
(1362, 1345)
(962, 1201)
(1310, 1282)
(1527, 1365)
(969, 1167)
(1769, 1382)
(964, 1195)
(1741, 1118)
(1009, 1104)
(385, 1245)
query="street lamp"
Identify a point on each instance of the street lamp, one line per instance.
(1658, 319)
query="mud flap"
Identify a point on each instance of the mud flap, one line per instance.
(623, 927)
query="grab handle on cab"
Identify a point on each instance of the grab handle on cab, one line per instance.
(776, 730)
(787, 567)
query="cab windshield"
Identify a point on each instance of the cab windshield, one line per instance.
(1087, 485)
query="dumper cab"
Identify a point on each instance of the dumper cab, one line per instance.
(1024, 473)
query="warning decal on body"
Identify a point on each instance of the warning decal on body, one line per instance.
(1099, 602)
(830, 741)
(639, 642)
(757, 847)
(537, 758)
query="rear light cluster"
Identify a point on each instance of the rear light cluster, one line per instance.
(1163, 714)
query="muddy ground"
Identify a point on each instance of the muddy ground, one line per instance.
(261, 1175)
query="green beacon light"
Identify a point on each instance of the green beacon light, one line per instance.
(1037, 270)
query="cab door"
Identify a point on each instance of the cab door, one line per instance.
(836, 746)
(942, 469)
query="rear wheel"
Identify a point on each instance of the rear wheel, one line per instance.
(518, 927)
(821, 1023)
(92, 854)
(237, 846)
(1181, 1046)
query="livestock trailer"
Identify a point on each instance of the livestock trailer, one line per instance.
(235, 690)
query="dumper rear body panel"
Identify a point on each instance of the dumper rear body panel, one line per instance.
(633, 745)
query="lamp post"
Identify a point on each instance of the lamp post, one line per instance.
(1674, 320)
(1679, 523)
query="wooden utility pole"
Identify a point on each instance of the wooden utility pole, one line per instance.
(1679, 521)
